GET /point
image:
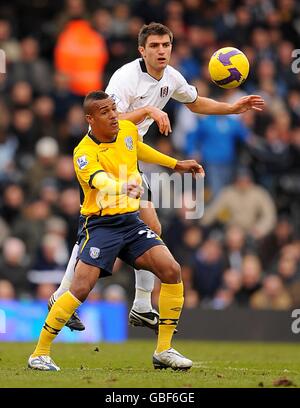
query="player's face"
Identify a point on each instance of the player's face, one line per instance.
(157, 52)
(104, 118)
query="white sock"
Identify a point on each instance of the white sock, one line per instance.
(144, 284)
(69, 274)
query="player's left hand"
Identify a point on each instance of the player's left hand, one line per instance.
(190, 166)
(246, 103)
(133, 189)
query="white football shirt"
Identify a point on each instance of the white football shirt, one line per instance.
(133, 88)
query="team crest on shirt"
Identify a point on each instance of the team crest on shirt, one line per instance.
(94, 252)
(115, 98)
(129, 142)
(164, 91)
(82, 162)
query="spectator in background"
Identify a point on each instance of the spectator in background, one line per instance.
(25, 130)
(261, 42)
(52, 254)
(44, 167)
(64, 173)
(8, 148)
(73, 9)
(251, 280)
(21, 95)
(186, 121)
(4, 231)
(192, 238)
(271, 157)
(208, 267)
(12, 204)
(244, 204)
(56, 226)
(272, 244)
(241, 29)
(289, 182)
(62, 96)
(272, 296)
(288, 270)
(68, 210)
(31, 68)
(102, 22)
(232, 284)
(31, 226)
(44, 290)
(183, 60)
(285, 60)
(49, 193)
(178, 222)
(234, 246)
(114, 293)
(14, 265)
(7, 290)
(8, 43)
(120, 20)
(44, 114)
(72, 129)
(214, 142)
(293, 100)
(81, 54)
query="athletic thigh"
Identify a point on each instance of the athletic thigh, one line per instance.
(84, 280)
(149, 215)
(161, 262)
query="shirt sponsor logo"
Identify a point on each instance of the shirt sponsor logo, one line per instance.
(129, 142)
(94, 252)
(164, 91)
(82, 162)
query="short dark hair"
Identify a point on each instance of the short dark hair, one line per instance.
(91, 97)
(153, 29)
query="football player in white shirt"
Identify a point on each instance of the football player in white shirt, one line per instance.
(141, 89)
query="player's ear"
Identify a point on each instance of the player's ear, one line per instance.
(141, 51)
(89, 119)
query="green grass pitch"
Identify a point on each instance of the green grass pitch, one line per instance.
(129, 365)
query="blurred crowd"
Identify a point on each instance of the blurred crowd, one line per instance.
(245, 250)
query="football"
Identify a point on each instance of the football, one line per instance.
(228, 67)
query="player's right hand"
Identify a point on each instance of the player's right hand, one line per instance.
(161, 118)
(132, 189)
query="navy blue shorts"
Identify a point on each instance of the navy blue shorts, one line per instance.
(104, 239)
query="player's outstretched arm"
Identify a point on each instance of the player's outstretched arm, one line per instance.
(150, 155)
(207, 106)
(159, 116)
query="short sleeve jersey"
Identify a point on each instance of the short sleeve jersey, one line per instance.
(118, 159)
(133, 88)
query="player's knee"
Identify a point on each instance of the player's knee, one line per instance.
(172, 274)
(80, 290)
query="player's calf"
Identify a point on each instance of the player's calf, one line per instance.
(74, 323)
